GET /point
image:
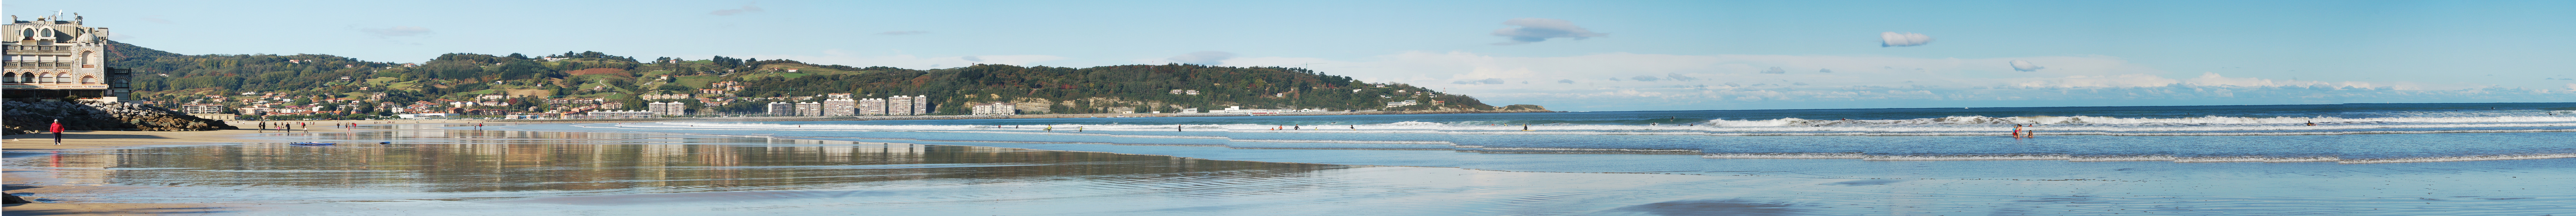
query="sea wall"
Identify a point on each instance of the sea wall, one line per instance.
(24, 117)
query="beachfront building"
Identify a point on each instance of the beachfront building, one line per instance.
(1240, 109)
(1402, 103)
(782, 109)
(809, 109)
(872, 106)
(897, 105)
(839, 104)
(668, 108)
(202, 108)
(996, 108)
(664, 96)
(618, 114)
(52, 58)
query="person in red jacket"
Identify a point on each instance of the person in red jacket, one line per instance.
(58, 131)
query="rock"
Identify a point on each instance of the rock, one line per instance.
(13, 199)
(24, 118)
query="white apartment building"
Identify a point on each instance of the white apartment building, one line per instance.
(782, 108)
(665, 96)
(841, 105)
(872, 106)
(668, 108)
(996, 108)
(809, 109)
(897, 105)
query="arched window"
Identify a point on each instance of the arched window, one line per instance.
(89, 80)
(11, 78)
(44, 78)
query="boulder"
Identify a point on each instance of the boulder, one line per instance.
(25, 117)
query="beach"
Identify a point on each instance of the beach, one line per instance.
(1240, 165)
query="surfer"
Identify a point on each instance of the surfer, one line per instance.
(1049, 128)
(1525, 127)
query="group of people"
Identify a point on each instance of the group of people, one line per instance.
(265, 126)
(2019, 133)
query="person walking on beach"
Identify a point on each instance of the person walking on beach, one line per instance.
(58, 131)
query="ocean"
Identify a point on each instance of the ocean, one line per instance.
(2342, 134)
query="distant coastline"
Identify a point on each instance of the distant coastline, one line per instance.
(1031, 116)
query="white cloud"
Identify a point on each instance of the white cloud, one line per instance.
(1203, 58)
(397, 31)
(2122, 80)
(1481, 81)
(1534, 30)
(2213, 79)
(730, 12)
(836, 56)
(2025, 66)
(1679, 77)
(1893, 39)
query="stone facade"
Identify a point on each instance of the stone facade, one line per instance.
(52, 58)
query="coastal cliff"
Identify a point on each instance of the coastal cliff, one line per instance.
(25, 118)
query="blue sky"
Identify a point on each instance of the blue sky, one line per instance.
(1696, 55)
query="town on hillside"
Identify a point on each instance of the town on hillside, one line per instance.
(80, 64)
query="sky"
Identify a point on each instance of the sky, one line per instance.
(1566, 55)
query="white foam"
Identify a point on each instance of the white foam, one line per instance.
(1843, 155)
(1593, 150)
(2459, 158)
(2220, 159)
(1966, 157)
(1347, 141)
(2097, 158)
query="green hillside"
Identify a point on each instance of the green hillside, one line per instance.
(175, 78)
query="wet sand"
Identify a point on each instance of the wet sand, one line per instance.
(74, 140)
(34, 144)
(429, 169)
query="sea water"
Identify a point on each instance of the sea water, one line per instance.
(2344, 134)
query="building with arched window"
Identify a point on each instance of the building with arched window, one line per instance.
(52, 58)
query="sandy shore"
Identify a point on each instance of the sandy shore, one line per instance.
(75, 140)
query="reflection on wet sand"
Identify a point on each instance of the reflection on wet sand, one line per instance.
(502, 164)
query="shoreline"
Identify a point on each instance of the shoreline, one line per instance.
(957, 117)
(27, 181)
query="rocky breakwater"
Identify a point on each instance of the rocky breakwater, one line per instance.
(24, 117)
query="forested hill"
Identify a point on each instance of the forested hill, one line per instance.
(313, 79)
